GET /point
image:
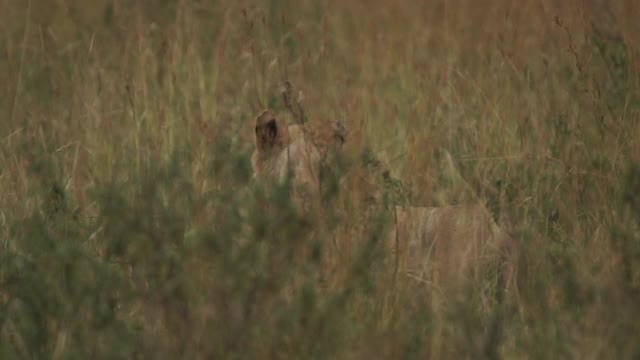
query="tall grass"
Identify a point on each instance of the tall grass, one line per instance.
(130, 226)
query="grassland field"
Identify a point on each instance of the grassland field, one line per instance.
(131, 227)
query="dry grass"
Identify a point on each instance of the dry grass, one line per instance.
(126, 124)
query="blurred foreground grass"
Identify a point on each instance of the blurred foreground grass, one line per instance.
(126, 125)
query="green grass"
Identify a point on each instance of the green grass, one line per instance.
(126, 125)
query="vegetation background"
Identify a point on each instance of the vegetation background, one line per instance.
(125, 125)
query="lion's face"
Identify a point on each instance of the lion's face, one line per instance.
(294, 152)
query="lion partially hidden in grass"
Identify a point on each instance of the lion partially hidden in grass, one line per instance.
(441, 246)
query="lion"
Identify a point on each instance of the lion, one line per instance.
(442, 246)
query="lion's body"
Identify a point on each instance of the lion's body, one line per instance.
(450, 244)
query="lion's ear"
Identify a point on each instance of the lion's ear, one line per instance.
(269, 133)
(340, 131)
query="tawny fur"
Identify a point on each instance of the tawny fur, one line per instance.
(294, 152)
(449, 243)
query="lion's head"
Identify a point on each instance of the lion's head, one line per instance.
(294, 152)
